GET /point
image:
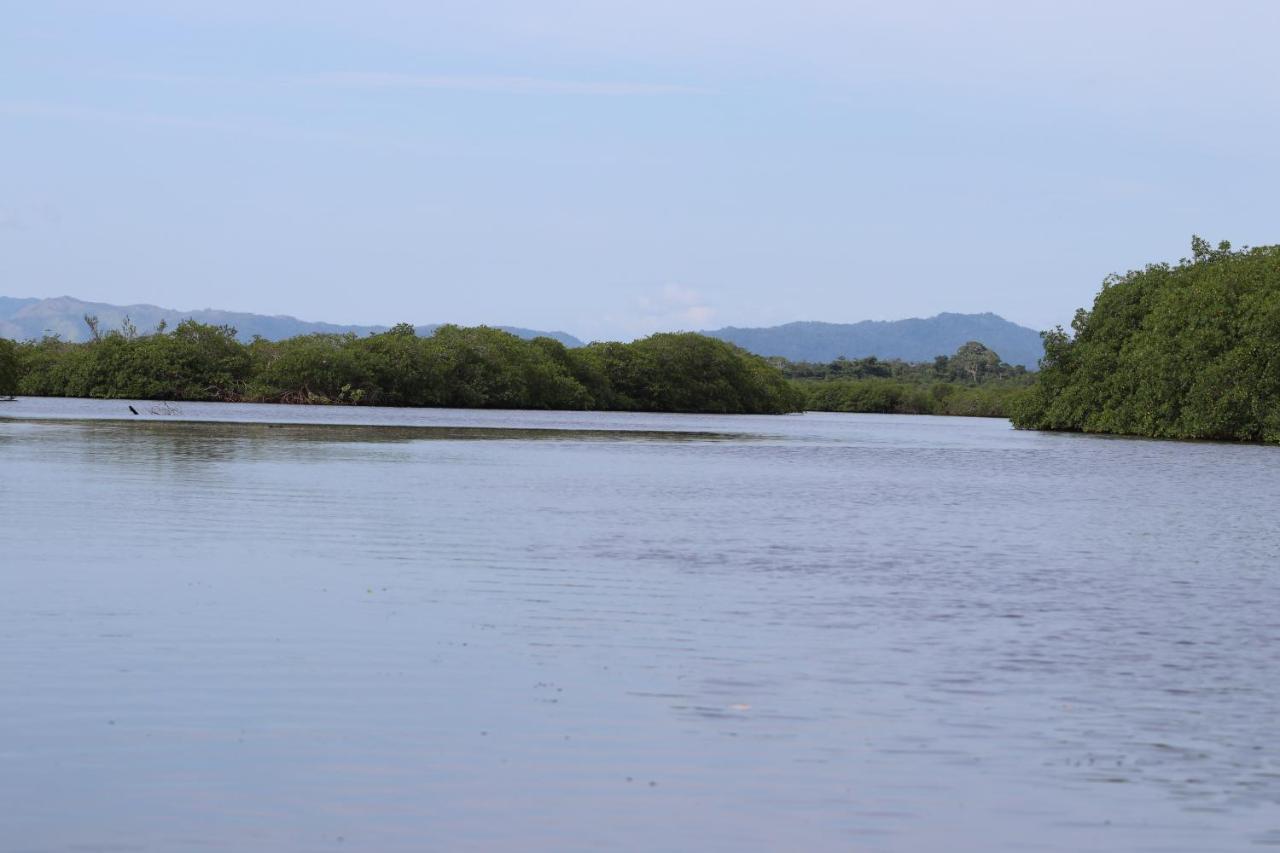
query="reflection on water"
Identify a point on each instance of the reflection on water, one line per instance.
(365, 630)
(204, 441)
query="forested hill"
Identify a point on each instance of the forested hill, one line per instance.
(32, 319)
(914, 340)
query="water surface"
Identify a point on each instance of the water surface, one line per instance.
(302, 628)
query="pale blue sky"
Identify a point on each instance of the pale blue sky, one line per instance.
(613, 169)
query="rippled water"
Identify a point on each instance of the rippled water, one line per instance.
(363, 629)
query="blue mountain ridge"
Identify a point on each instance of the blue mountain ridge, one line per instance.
(916, 339)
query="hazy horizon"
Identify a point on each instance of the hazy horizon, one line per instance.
(611, 172)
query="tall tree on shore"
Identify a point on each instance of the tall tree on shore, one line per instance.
(8, 368)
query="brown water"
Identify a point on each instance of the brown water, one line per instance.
(397, 630)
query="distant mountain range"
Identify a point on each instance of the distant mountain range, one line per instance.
(909, 340)
(32, 319)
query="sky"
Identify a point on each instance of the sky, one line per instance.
(612, 169)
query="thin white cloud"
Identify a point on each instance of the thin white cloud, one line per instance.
(670, 308)
(505, 85)
(244, 127)
(75, 112)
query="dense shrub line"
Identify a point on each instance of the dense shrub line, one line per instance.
(973, 382)
(1170, 351)
(475, 367)
(887, 396)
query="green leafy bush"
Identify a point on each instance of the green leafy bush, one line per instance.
(8, 368)
(1170, 351)
(475, 367)
(974, 382)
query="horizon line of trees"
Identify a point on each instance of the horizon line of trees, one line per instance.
(481, 367)
(475, 367)
(973, 363)
(973, 382)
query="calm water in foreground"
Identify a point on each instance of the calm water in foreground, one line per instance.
(393, 630)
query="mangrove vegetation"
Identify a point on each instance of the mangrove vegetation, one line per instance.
(1190, 350)
(9, 368)
(477, 367)
(482, 367)
(972, 382)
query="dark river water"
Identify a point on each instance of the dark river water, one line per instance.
(392, 630)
